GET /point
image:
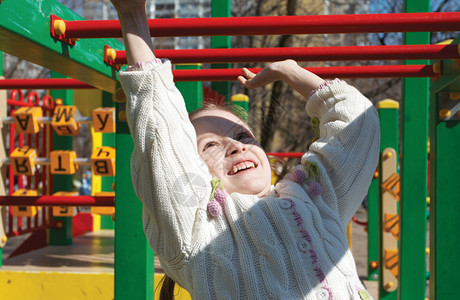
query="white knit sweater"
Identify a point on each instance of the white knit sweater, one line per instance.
(287, 245)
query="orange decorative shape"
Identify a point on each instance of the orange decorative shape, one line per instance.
(22, 160)
(64, 120)
(391, 259)
(104, 119)
(62, 162)
(104, 210)
(395, 231)
(25, 211)
(26, 119)
(391, 185)
(391, 221)
(64, 211)
(103, 161)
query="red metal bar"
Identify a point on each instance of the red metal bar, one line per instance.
(44, 83)
(49, 200)
(286, 154)
(363, 53)
(275, 25)
(384, 71)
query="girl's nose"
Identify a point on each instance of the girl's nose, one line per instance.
(234, 147)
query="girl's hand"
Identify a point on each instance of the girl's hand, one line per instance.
(289, 71)
(271, 73)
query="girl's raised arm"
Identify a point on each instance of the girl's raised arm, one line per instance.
(346, 150)
(136, 32)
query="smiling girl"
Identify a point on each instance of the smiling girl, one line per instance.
(218, 226)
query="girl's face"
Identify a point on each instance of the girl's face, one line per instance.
(231, 152)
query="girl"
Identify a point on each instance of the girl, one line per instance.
(219, 228)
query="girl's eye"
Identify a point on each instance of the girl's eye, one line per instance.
(209, 145)
(242, 136)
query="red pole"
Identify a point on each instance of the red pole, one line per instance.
(48, 200)
(287, 154)
(44, 83)
(398, 52)
(275, 25)
(384, 71)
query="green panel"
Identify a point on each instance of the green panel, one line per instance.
(444, 205)
(412, 256)
(389, 138)
(450, 79)
(25, 33)
(134, 259)
(61, 236)
(444, 175)
(221, 8)
(192, 91)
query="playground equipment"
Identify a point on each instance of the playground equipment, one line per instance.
(84, 62)
(360, 53)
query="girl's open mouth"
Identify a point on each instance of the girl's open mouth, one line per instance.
(242, 167)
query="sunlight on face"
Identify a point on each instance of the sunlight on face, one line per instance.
(231, 152)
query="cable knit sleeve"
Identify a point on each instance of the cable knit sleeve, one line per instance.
(168, 175)
(347, 149)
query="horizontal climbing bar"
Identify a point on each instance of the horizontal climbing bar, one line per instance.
(58, 200)
(384, 71)
(359, 53)
(271, 25)
(232, 74)
(44, 83)
(286, 154)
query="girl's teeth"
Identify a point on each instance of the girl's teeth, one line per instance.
(242, 166)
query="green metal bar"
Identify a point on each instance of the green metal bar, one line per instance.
(389, 138)
(444, 176)
(63, 235)
(412, 256)
(372, 230)
(134, 259)
(25, 33)
(192, 91)
(221, 8)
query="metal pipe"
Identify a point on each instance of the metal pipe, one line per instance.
(48, 120)
(44, 83)
(286, 154)
(45, 161)
(50, 200)
(274, 25)
(357, 53)
(384, 71)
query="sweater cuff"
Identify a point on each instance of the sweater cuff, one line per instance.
(324, 84)
(143, 66)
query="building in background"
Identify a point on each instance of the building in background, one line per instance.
(158, 9)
